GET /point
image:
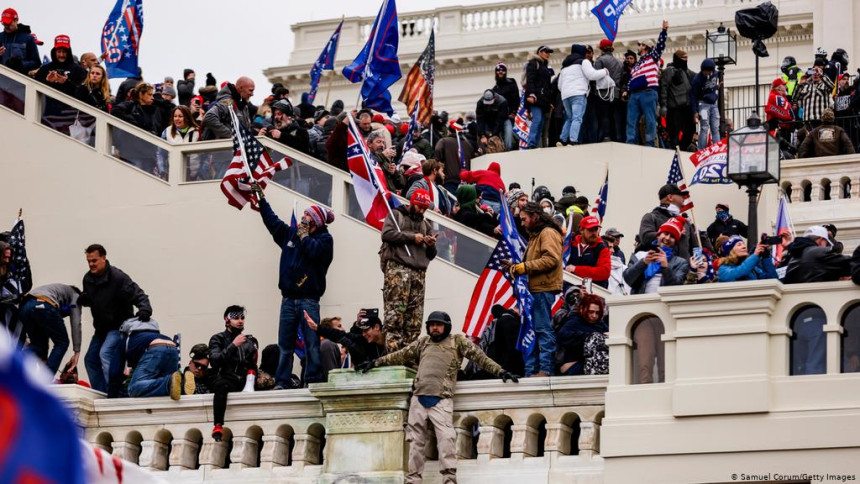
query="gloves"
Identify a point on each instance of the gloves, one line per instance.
(143, 315)
(84, 300)
(303, 231)
(366, 366)
(258, 190)
(518, 269)
(506, 375)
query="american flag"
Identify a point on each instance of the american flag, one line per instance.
(19, 282)
(676, 177)
(494, 286)
(460, 155)
(250, 156)
(599, 209)
(567, 246)
(522, 123)
(413, 127)
(419, 83)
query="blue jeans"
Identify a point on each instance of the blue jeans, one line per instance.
(151, 376)
(810, 348)
(542, 358)
(574, 110)
(292, 318)
(709, 120)
(642, 103)
(536, 129)
(43, 323)
(508, 134)
(97, 359)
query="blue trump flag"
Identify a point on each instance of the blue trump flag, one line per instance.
(121, 38)
(516, 246)
(377, 65)
(39, 441)
(608, 12)
(325, 62)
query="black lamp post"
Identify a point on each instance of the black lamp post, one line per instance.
(722, 47)
(753, 160)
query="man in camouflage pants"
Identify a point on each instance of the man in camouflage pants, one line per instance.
(404, 256)
(439, 356)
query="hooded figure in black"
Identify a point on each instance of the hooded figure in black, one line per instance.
(838, 64)
(62, 73)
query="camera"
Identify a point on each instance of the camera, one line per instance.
(371, 313)
(770, 240)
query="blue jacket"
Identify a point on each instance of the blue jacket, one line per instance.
(704, 89)
(751, 269)
(571, 337)
(20, 45)
(304, 262)
(130, 350)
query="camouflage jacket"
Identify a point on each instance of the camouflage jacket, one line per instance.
(464, 348)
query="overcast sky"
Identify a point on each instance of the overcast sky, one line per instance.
(224, 37)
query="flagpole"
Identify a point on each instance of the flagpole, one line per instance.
(692, 209)
(241, 145)
(370, 53)
(377, 182)
(333, 56)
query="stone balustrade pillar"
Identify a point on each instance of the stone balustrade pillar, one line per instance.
(796, 192)
(463, 444)
(817, 193)
(213, 455)
(589, 439)
(244, 453)
(183, 454)
(558, 438)
(491, 443)
(276, 452)
(153, 455)
(126, 451)
(524, 441)
(855, 188)
(306, 450)
(365, 417)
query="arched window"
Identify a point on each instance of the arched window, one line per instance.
(808, 342)
(851, 340)
(648, 351)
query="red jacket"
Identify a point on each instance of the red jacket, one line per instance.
(594, 261)
(490, 177)
(778, 107)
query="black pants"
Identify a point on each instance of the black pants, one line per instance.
(679, 121)
(605, 120)
(221, 386)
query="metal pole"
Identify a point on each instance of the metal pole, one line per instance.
(721, 101)
(752, 215)
(756, 85)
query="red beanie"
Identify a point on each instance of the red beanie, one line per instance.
(377, 118)
(404, 128)
(420, 198)
(390, 129)
(674, 226)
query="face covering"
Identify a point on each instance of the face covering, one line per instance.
(722, 216)
(547, 210)
(673, 210)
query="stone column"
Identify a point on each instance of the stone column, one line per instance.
(817, 192)
(523, 441)
(558, 438)
(153, 455)
(306, 450)
(213, 455)
(244, 453)
(589, 439)
(365, 417)
(276, 452)
(183, 454)
(464, 443)
(491, 443)
(126, 451)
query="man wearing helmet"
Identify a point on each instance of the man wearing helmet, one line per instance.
(285, 127)
(791, 74)
(838, 64)
(439, 355)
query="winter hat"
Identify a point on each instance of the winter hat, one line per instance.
(467, 195)
(515, 195)
(577, 49)
(605, 44)
(411, 163)
(420, 198)
(389, 128)
(62, 41)
(827, 116)
(673, 227)
(210, 79)
(377, 118)
(488, 97)
(568, 191)
(729, 244)
(722, 206)
(198, 351)
(186, 72)
(168, 90)
(284, 106)
(501, 66)
(709, 64)
(680, 53)
(320, 215)
(630, 53)
(404, 128)
(168, 79)
(777, 82)
(321, 113)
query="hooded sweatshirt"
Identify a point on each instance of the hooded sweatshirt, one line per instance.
(576, 72)
(75, 73)
(22, 53)
(489, 182)
(217, 121)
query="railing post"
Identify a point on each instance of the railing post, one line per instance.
(176, 168)
(589, 439)
(183, 454)
(126, 451)
(306, 450)
(558, 438)
(523, 441)
(213, 455)
(491, 443)
(855, 188)
(153, 455)
(463, 444)
(244, 453)
(276, 452)
(554, 12)
(32, 104)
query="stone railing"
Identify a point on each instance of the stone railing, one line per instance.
(819, 179)
(502, 16)
(581, 9)
(354, 426)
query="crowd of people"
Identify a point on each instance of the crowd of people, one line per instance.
(637, 100)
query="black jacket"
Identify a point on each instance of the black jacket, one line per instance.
(650, 224)
(185, 91)
(729, 227)
(230, 361)
(293, 136)
(571, 337)
(358, 348)
(811, 263)
(70, 68)
(855, 266)
(480, 221)
(93, 97)
(491, 117)
(539, 82)
(149, 118)
(111, 298)
(508, 89)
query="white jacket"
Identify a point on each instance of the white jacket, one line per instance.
(573, 80)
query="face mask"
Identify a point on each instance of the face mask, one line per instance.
(722, 216)
(673, 210)
(547, 210)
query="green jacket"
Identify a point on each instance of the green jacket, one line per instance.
(464, 348)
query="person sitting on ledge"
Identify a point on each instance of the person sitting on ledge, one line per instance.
(582, 339)
(739, 265)
(439, 355)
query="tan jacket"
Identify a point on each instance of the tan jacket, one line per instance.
(543, 261)
(394, 242)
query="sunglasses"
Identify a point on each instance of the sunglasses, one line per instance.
(198, 366)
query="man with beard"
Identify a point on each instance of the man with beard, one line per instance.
(508, 89)
(217, 122)
(286, 129)
(62, 73)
